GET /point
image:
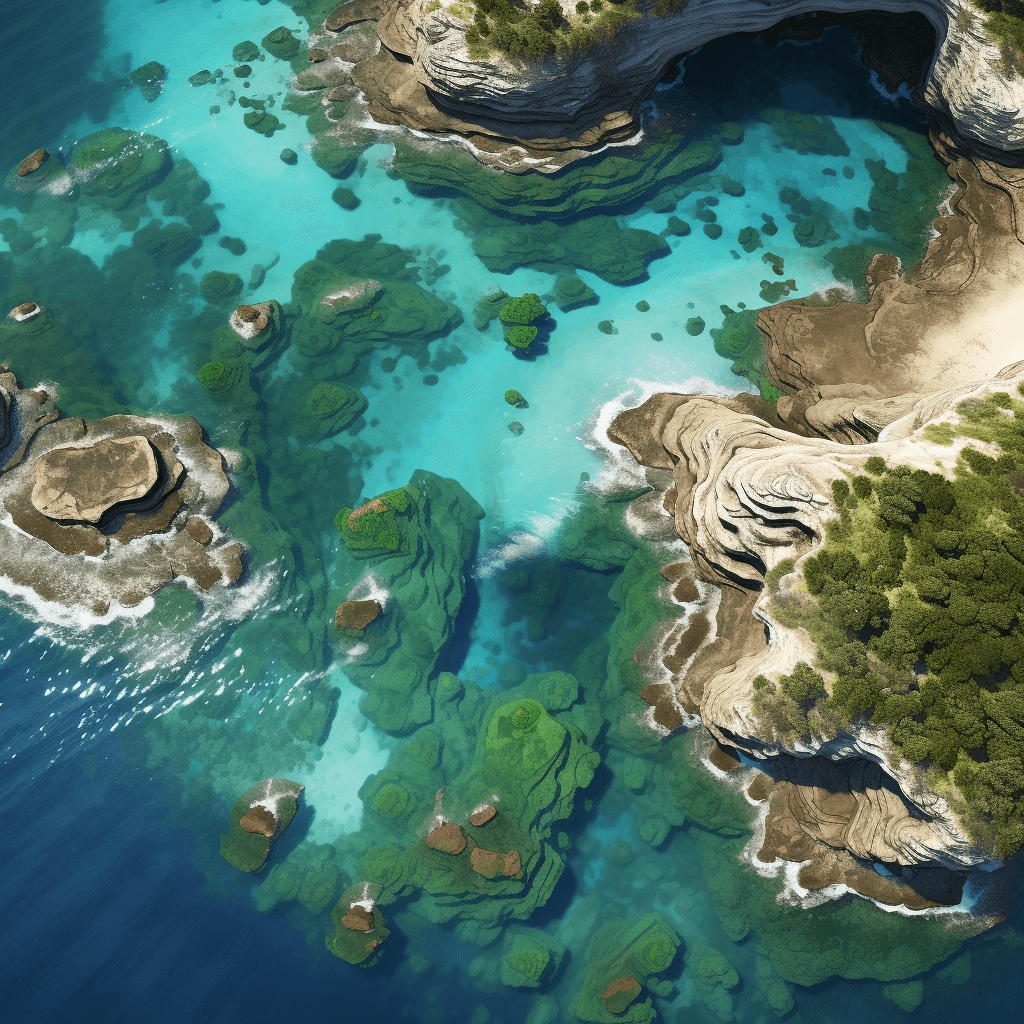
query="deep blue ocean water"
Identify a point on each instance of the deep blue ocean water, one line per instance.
(125, 742)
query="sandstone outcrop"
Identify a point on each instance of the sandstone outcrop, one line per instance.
(746, 496)
(543, 116)
(137, 496)
(951, 319)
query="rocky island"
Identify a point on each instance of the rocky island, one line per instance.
(136, 497)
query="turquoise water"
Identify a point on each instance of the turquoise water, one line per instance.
(126, 741)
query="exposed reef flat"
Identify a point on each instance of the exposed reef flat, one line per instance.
(527, 115)
(136, 496)
(761, 490)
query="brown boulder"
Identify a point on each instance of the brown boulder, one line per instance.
(482, 815)
(356, 615)
(619, 994)
(32, 162)
(491, 864)
(358, 919)
(448, 837)
(260, 821)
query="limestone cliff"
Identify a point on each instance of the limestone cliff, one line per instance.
(572, 103)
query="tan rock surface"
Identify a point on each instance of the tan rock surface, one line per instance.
(84, 484)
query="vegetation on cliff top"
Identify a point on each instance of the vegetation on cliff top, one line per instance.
(531, 34)
(919, 620)
(1006, 26)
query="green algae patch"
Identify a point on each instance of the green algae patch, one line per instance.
(622, 957)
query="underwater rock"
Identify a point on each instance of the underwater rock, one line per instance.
(149, 80)
(345, 198)
(290, 157)
(245, 52)
(516, 400)
(359, 928)
(806, 133)
(416, 540)
(597, 243)
(114, 167)
(281, 43)
(352, 617)
(623, 956)
(572, 293)
(91, 488)
(530, 959)
(515, 427)
(611, 181)
(487, 308)
(308, 874)
(713, 976)
(695, 326)
(447, 837)
(267, 810)
(32, 162)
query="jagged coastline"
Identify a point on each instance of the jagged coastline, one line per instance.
(753, 495)
(521, 116)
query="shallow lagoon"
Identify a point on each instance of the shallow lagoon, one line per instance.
(125, 744)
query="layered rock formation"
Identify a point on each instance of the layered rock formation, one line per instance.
(747, 497)
(136, 496)
(525, 116)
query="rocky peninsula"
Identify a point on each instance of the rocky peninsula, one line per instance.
(918, 388)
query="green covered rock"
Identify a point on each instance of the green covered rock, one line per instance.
(308, 874)
(416, 540)
(359, 933)
(149, 80)
(281, 43)
(329, 409)
(115, 167)
(530, 959)
(572, 293)
(259, 816)
(219, 288)
(608, 182)
(621, 958)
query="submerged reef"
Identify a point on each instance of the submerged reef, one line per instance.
(408, 550)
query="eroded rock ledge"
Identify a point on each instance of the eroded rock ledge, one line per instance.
(97, 513)
(541, 117)
(752, 488)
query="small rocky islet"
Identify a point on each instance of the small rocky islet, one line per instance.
(723, 703)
